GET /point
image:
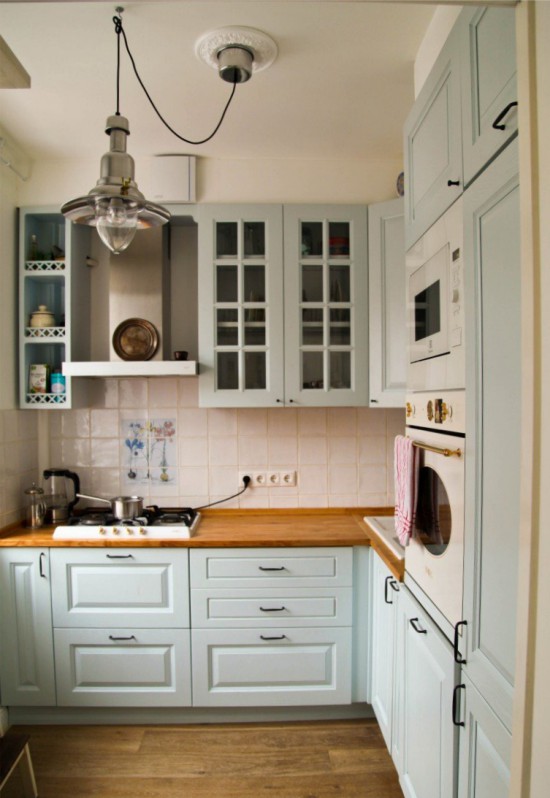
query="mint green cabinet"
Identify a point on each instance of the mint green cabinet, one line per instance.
(387, 305)
(488, 84)
(326, 305)
(27, 675)
(433, 144)
(493, 421)
(53, 274)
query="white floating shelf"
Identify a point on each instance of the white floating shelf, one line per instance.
(131, 368)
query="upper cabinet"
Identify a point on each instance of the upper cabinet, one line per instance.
(53, 288)
(387, 310)
(432, 146)
(326, 353)
(282, 318)
(464, 115)
(488, 85)
(241, 305)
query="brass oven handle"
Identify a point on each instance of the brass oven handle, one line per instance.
(438, 450)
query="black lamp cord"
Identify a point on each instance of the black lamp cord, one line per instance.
(119, 30)
(246, 482)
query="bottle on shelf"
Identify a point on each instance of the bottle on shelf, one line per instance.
(57, 384)
(33, 249)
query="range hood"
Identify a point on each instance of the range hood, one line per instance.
(131, 368)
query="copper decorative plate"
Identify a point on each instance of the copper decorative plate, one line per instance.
(135, 339)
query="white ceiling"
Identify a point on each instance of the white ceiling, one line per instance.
(341, 86)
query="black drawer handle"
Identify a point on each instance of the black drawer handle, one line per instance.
(453, 183)
(279, 637)
(41, 565)
(120, 556)
(497, 124)
(272, 609)
(394, 584)
(265, 568)
(417, 628)
(112, 637)
(455, 704)
(458, 656)
(387, 580)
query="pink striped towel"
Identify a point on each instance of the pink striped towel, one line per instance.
(406, 463)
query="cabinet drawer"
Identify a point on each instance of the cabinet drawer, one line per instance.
(268, 667)
(120, 587)
(130, 668)
(231, 607)
(301, 567)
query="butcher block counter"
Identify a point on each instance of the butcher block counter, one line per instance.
(243, 528)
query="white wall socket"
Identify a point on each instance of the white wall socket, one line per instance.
(268, 479)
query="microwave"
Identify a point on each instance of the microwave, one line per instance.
(435, 306)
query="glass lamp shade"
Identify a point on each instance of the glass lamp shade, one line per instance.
(115, 205)
(116, 223)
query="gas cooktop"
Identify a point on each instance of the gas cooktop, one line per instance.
(156, 523)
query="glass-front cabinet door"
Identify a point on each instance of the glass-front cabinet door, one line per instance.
(241, 306)
(326, 305)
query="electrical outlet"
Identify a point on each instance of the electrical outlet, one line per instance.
(273, 479)
(288, 478)
(258, 479)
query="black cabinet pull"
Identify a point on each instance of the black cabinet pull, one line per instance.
(265, 568)
(497, 124)
(279, 637)
(112, 637)
(387, 580)
(394, 584)
(272, 609)
(120, 556)
(41, 565)
(453, 182)
(374, 401)
(415, 625)
(458, 656)
(456, 704)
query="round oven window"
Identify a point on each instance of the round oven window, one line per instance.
(433, 512)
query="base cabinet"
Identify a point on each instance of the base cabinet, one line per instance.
(485, 748)
(268, 667)
(27, 674)
(384, 598)
(123, 668)
(429, 741)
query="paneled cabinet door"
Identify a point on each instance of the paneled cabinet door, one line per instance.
(241, 305)
(485, 748)
(433, 145)
(326, 305)
(26, 641)
(385, 593)
(428, 736)
(493, 371)
(488, 85)
(387, 305)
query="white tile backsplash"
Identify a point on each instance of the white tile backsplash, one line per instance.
(342, 456)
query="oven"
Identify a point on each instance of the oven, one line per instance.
(434, 556)
(435, 306)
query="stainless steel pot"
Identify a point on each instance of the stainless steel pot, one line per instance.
(121, 506)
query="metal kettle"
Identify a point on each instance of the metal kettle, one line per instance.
(57, 499)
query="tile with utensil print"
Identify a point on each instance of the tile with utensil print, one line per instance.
(149, 452)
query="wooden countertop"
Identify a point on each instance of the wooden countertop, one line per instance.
(238, 529)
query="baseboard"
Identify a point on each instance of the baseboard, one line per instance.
(141, 716)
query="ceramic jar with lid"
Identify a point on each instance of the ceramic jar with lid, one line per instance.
(42, 317)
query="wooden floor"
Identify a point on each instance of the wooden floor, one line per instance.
(347, 759)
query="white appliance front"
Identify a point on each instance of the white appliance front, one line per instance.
(435, 554)
(435, 306)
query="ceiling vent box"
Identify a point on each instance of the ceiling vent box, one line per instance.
(173, 178)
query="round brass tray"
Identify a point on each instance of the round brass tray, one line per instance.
(135, 339)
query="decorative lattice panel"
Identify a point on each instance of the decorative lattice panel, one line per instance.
(45, 266)
(45, 332)
(45, 399)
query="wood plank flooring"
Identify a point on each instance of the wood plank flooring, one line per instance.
(347, 759)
